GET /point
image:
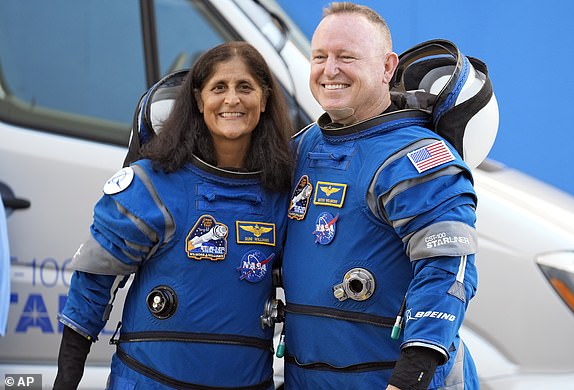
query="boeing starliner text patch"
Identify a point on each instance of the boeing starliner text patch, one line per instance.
(207, 239)
(430, 156)
(261, 233)
(254, 265)
(119, 181)
(300, 199)
(330, 194)
(444, 238)
(325, 228)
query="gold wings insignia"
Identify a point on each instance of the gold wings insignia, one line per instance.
(256, 230)
(330, 190)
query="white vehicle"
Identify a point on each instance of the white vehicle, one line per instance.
(71, 74)
(520, 325)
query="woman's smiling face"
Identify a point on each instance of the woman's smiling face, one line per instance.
(231, 102)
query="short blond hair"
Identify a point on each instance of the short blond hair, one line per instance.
(347, 7)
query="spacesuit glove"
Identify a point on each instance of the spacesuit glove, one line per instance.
(74, 350)
(415, 368)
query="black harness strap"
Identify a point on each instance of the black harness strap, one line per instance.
(318, 311)
(177, 384)
(189, 337)
(361, 367)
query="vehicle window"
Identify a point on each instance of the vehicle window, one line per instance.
(283, 10)
(185, 29)
(72, 67)
(78, 67)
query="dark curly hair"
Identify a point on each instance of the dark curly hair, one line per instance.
(184, 133)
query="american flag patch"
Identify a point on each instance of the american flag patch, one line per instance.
(430, 156)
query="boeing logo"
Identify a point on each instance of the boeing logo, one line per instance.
(439, 315)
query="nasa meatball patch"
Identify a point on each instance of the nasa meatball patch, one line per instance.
(325, 228)
(254, 265)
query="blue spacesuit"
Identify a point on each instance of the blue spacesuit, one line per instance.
(202, 276)
(380, 233)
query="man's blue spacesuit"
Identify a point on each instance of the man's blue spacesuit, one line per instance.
(202, 276)
(381, 228)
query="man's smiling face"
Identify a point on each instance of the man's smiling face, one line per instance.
(348, 67)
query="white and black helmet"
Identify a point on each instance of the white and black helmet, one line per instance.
(153, 108)
(455, 90)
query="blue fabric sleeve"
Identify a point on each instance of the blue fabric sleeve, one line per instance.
(438, 203)
(127, 225)
(88, 298)
(118, 234)
(433, 314)
(426, 201)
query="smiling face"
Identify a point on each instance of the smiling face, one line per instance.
(351, 67)
(231, 102)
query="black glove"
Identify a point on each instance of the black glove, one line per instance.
(74, 350)
(416, 367)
